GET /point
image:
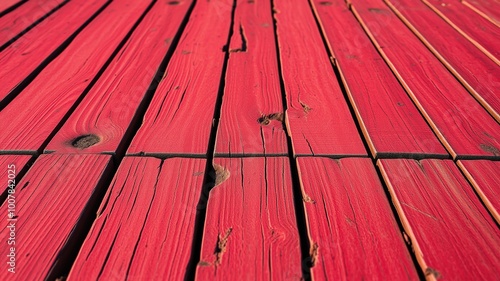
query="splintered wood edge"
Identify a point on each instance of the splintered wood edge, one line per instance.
(406, 224)
(413, 97)
(438, 55)
(479, 191)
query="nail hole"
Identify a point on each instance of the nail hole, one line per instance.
(85, 141)
(173, 2)
(325, 3)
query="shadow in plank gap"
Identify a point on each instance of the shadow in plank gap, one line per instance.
(251, 119)
(145, 224)
(180, 117)
(53, 203)
(351, 224)
(464, 127)
(250, 222)
(7, 6)
(390, 122)
(485, 178)
(14, 25)
(39, 110)
(318, 119)
(12, 168)
(453, 235)
(39, 46)
(105, 121)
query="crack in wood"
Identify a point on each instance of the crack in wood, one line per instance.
(221, 246)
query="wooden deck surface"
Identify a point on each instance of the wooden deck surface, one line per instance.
(250, 139)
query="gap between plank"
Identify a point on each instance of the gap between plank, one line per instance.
(374, 159)
(209, 180)
(11, 8)
(31, 26)
(26, 81)
(88, 217)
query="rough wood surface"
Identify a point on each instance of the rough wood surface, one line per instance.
(484, 176)
(145, 224)
(104, 112)
(317, 117)
(452, 234)
(34, 114)
(39, 43)
(12, 24)
(457, 53)
(481, 32)
(390, 122)
(352, 229)
(460, 122)
(179, 119)
(250, 228)
(49, 202)
(251, 121)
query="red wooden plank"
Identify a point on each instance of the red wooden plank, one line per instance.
(251, 121)
(14, 23)
(390, 122)
(7, 4)
(351, 225)
(32, 116)
(485, 178)
(10, 167)
(489, 9)
(104, 112)
(179, 119)
(462, 125)
(145, 224)
(251, 223)
(478, 73)
(312, 90)
(481, 32)
(49, 202)
(36, 45)
(452, 234)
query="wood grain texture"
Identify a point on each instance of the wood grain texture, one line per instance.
(33, 115)
(50, 200)
(251, 121)
(462, 124)
(104, 112)
(179, 118)
(6, 4)
(484, 176)
(39, 43)
(352, 229)
(489, 9)
(9, 172)
(452, 234)
(390, 122)
(476, 71)
(12, 24)
(145, 224)
(481, 32)
(317, 117)
(251, 223)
